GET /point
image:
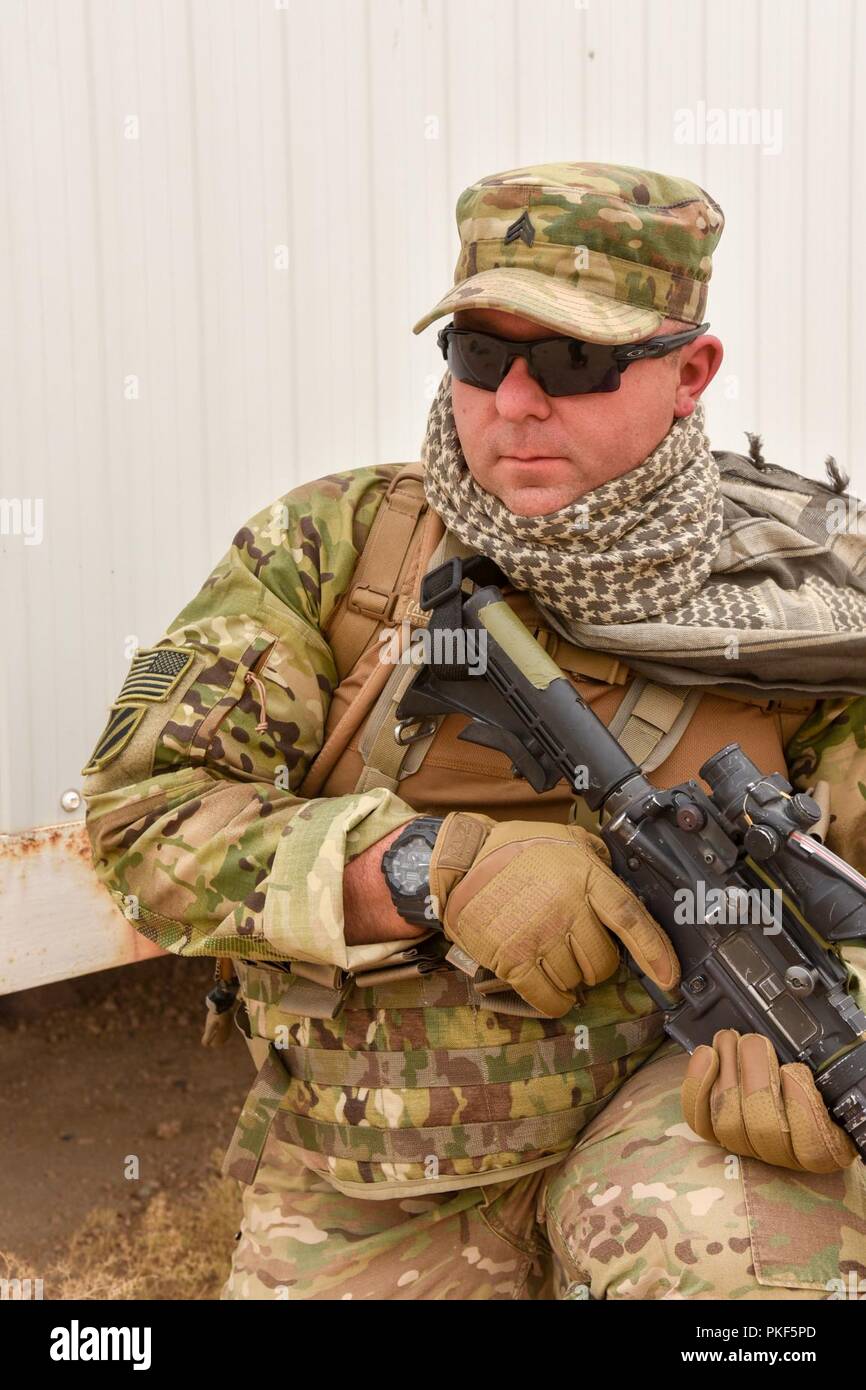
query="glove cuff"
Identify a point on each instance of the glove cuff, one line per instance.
(460, 839)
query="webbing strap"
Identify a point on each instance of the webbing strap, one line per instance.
(385, 758)
(383, 755)
(435, 1067)
(312, 998)
(371, 597)
(366, 1143)
(262, 1114)
(651, 720)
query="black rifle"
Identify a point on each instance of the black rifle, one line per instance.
(786, 981)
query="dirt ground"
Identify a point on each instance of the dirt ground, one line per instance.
(95, 1070)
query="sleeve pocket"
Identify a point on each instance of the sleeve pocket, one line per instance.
(245, 717)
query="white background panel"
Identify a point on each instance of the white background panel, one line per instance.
(343, 131)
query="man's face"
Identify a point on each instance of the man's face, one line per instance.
(538, 453)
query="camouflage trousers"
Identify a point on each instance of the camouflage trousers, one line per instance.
(641, 1208)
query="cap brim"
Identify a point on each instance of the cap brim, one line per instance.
(551, 301)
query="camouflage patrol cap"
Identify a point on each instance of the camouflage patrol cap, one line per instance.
(602, 252)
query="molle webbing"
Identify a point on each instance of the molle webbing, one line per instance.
(369, 1144)
(651, 720)
(478, 1108)
(428, 1067)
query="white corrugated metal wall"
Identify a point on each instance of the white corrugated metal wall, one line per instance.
(219, 219)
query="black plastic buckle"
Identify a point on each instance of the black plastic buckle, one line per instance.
(435, 590)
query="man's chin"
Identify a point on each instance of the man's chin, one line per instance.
(536, 500)
(536, 488)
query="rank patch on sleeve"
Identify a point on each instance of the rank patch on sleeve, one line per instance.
(153, 675)
(122, 724)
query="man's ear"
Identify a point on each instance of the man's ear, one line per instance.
(697, 365)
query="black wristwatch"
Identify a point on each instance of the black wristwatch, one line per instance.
(406, 867)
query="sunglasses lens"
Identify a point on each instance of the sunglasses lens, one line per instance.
(477, 359)
(567, 367)
(563, 367)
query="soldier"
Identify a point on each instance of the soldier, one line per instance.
(524, 1132)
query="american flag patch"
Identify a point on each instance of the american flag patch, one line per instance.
(153, 675)
(122, 724)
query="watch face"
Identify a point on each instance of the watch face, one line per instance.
(409, 867)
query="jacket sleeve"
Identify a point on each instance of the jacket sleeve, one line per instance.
(831, 747)
(193, 815)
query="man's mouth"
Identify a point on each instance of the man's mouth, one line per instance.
(533, 458)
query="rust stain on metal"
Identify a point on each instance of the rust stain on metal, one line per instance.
(71, 840)
(74, 925)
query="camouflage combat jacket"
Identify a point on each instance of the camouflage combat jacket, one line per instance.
(200, 834)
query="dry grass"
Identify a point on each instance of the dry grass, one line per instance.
(176, 1247)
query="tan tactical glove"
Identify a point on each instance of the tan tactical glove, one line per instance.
(531, 901)
(736, 1094)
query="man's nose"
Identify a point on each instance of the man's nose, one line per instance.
(519, 394)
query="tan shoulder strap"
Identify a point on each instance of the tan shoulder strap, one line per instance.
(351, 639)
(386, 759)
(385, 570)
(651, 720)
(386, 756)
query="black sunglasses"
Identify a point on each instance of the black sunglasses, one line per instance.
(561, 366)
